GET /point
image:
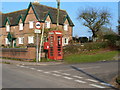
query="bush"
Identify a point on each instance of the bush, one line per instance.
(95, 45)
(75, 49)
(83, 39)
(112, 39)
(75, 39)
(70, 49)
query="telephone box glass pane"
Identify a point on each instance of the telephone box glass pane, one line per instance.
(51, 45)
(59, 46)
(59, 41)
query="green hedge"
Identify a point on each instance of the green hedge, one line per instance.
(95, 45)
(112, 39)
(75, 49)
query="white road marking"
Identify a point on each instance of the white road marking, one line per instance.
(56, 71)
(77, 77)
(67, 78)
(22, 66)
(67, 70)
(65, 73)
(98, 86)
(32, 68)
(46, 72)
(18, 65)
(39, 70)
(80, 81)
(92, 80)
(56, 75)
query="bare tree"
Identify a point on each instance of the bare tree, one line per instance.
(94, 19)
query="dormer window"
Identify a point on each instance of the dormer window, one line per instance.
(30, 24)
(47, 24)
(21, 26)
(7, 28)
(66, 27)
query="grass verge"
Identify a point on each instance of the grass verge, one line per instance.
(81, 58)
(6, 62)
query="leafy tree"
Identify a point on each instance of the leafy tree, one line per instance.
(94, 19)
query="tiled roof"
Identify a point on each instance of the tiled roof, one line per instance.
(13, 17)
(41, 12)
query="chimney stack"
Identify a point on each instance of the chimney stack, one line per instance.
(36, 2)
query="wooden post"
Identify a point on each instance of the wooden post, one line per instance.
(58, 12)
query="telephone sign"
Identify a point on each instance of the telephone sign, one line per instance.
(37, 25)
(37, 31)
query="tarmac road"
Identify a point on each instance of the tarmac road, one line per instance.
(87, 75)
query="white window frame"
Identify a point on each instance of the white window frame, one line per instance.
(30, 39)
(66, 41)
(21, 40)
(47, 24)
(31, 24)
(21, 26)
(66, 27)
(7, 41)
(7, 28)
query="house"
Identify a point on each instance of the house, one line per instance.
(21, 24)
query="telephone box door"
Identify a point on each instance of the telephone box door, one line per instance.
(58, 51)
(51, 47)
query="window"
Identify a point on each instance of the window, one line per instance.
(66, 41)
(20, 40)
(7, 41)
(30, 24)
(65, 27)
(21, 26)
(30, 39)
(8, 28)
(47, 24)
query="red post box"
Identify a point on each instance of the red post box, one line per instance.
(46, 45)
(55, 45)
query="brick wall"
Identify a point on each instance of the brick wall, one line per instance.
(28, 53)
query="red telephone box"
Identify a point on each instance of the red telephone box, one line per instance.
(55, 45)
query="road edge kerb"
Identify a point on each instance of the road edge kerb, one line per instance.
(30, 63)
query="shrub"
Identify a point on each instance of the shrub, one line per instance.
(83, 39)
(75, 39)
(95, 45)
(78, 48)
(70, 49)
(111, 39)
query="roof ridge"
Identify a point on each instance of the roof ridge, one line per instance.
(48, 6)
(15, 11)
